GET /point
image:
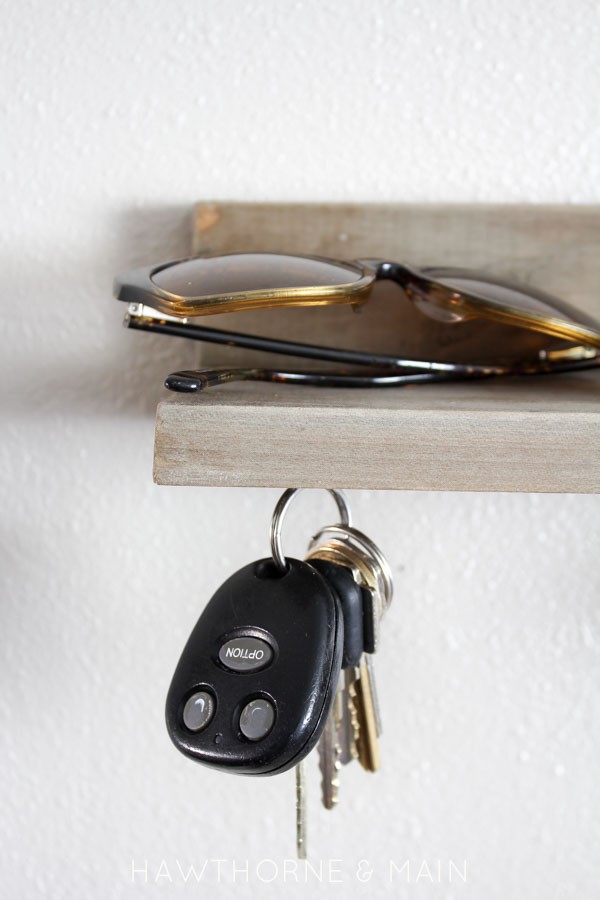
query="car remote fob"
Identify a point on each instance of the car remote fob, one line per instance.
(258, 675)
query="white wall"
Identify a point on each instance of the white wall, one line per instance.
(117, 117)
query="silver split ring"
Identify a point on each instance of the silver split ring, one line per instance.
(280, 511)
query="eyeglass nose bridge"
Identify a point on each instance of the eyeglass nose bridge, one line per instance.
(388, 270)
(436, 300)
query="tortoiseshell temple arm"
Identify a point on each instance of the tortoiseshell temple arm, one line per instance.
(191, 381)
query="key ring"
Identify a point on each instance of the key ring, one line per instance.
(368, 551)
(280, 511)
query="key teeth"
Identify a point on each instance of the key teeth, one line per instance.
(329, 755)
(335, 780)
(332, 798)
(330, 752)
(354, 722)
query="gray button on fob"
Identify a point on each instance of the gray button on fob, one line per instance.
(257, 719)
(198, 711)
(246, 654)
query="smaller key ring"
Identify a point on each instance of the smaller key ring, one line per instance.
(280, 511)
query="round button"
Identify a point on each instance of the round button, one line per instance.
(257, 719)
(198, 711)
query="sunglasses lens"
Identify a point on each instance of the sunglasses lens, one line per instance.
(505, 294)
(234, 273)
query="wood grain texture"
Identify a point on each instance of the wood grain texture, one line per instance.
(501, 436)
(528, 434)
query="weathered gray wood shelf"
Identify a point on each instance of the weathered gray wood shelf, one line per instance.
(513, 436)
(520, 434)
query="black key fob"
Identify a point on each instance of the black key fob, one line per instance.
(258, 675)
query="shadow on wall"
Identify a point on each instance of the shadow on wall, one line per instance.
(66, 351)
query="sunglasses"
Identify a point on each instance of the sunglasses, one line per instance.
(166, 298)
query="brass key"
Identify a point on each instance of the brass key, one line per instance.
(367, 743)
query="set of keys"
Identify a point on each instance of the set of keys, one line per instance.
(362, 578)
(280, 661)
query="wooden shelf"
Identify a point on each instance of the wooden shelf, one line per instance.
(527, 434)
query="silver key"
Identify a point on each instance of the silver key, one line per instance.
(348, 731)
(301, 810)
(330, 752)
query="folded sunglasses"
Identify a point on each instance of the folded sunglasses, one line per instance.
(167, 298)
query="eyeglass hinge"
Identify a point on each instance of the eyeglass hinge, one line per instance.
(141, 311)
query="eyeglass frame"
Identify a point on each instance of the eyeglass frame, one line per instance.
(153, 308)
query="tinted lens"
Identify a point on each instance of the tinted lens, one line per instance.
(511, 295)
(242, 272)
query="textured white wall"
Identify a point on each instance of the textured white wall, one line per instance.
(117, 116)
